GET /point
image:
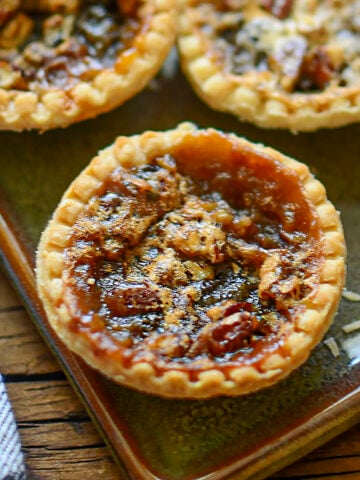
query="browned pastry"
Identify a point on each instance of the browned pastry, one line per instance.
(277, 63)
(62, 61)
(192, 263)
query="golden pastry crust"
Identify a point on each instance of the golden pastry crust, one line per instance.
(280, 64)
(87, 58)
(192, 263)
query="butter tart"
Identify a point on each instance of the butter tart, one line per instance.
(62, 61)
(291, 64)
(192, 263)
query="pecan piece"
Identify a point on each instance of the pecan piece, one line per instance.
(16, 31)
(9, 78)
(57, 28)
(197, 239)
(171, 345)
(167, 270)
(7, 9)
(127, 7)
(317, 70)
(61, 6)
(132, 299)
(227, 335)
(269, 274)
(279, 8)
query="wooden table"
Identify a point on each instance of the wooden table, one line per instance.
(59, 440)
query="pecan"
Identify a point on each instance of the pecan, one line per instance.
(279, 8)
(238, 307)
(64, 65)
(57, 28)
(7, 9)
(127, 7)
(9, 78)
(16, 31)
(171, 345)
(317, 70)
(36, 53)
(61, 6)
(227, 335)
(167, 270)
(132, 299)
(199, 270)
(198, 239)
(269, 274)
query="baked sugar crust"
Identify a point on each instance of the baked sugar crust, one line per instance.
(252, 336)
(292, 64)
(86, 59)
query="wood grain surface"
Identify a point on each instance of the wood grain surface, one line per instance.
(60, 441)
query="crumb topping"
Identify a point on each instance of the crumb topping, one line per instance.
(295, 45)
(192, 265)
(48, 44)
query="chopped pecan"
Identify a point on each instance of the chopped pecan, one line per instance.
(246, 252)
(35, 53)
(167, 270)
(61, 6)
(227, 335)
(57, 28)
(199, 270)
(269, 274)
(239, 307)
(127, 7)
(132, 299)
(317, 70)
(16, 31)
(9, 78)
(7, 9)
(59, 69)
(279, 8)
(195, 239)
(281, 279)
(171, 345)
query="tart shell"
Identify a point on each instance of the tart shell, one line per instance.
(100, 350)
(134, 67)
(255, 96)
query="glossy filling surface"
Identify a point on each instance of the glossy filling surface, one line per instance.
(185, 266)
(297, 45)
(56, 44)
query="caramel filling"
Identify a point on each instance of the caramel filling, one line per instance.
(179, 261)
(57, 43)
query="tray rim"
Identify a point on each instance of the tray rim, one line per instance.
(17, 263)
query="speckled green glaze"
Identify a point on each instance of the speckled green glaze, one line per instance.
(184, 439)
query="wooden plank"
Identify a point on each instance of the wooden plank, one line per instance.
(339, 458)
(330, 476)
(58, 439)
(66, 464)
(22, 351)
(345, 444)
(323, 467)
(8, 297)
(44, 400)
(59, 435)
